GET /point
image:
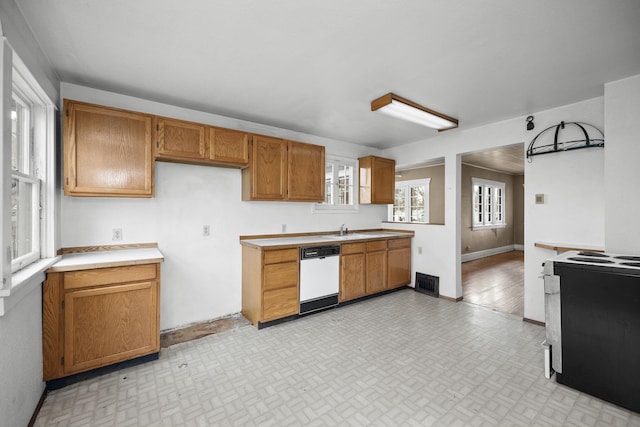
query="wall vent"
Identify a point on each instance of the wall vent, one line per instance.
(427, 284)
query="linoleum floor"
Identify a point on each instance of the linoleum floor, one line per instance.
(403, 359)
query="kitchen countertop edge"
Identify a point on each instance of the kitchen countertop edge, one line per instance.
(104, 259)
(297, 240)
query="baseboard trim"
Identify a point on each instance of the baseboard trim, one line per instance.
(36, 411)
(488, 252)
(444, 297)
(58, 383)
(518, 247)
(535, 322)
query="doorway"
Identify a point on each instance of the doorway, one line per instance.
(492, 228)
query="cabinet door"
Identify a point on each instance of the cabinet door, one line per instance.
(399, 267)
(110, 324)
(179, 140)
(266, 177)
(376, 271)
(377, 180)
(107, 152)
(305, 172)
(352, 276)
(384, 181)
(228, 147)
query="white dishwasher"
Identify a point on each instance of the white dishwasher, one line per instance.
(319, 277)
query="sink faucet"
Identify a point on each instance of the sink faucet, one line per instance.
(343, 230)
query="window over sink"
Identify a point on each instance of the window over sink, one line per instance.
(340, 185)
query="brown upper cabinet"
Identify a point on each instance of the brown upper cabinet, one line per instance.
(107, 151)
(228, 146)
(305, 172)
(187, 142)
(266, 176)
(377, 180)
(179, 140)
(284, 170)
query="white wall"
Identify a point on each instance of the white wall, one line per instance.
(621, 166)
(201, 276)
(21, 353)
(572, 181)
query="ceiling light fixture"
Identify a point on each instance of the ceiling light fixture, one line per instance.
(401, 108)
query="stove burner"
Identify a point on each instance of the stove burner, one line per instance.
(631, 264)
(596, 260)
(628, 258)
(595, 254)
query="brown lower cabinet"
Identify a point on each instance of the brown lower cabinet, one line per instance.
(270, 277)
(399, 262)
(352, 271)
(270, 284)
(97, 317)
(376, 266)
(367, 268)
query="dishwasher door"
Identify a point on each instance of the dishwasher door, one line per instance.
(319, 282)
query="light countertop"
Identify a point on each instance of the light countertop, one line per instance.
(102, 259)
(563, 247)
(322, 239)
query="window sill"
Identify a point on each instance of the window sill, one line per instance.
(487, 227)
(23, 282)
(406, 222)
(330, 209)
(412, 223)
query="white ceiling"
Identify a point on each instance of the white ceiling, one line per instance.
(314, 67)
(506, 159)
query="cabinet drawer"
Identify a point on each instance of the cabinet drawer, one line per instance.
(111, 275)
(378, 245)
(283, 275)
(280, 303)
(282, 255)
(352, 248)
(399, 243)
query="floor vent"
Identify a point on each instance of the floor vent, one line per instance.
(427, 284)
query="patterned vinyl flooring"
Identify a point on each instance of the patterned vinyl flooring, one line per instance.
(403, 359)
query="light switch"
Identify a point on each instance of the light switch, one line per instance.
(539, 199)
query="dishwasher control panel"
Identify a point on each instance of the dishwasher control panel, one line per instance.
(319, 251)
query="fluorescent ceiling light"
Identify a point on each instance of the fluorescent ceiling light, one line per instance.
(401, 108)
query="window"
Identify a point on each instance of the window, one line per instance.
(25, 187)
(411, 202)
(30, 207)
(340, 185)
(488, 203)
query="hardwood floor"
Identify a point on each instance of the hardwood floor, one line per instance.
(496, 282)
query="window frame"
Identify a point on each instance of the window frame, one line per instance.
(487, 203)
(335, 206)
(18, 80)
(407, 185)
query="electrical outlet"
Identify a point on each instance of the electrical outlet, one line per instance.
(419, 250)
(284, 228)
(116, 234)
(206, 230)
